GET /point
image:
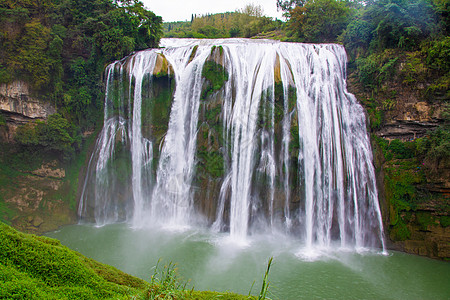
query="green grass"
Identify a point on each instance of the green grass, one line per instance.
(35, 267)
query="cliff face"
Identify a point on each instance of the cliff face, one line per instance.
(42, 197)
(34, 189)
(414, 193)
(36, 201)
(18, 107)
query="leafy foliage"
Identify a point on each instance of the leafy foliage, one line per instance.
(391, 24)
(61, 47)
(319, 20)
(216, 76)
(57, 134)
(246, 22)
(288, 5)
(375, 69)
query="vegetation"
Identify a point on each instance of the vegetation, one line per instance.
(62, 47)
(56, 134)
(36, 267)
(265, 283)
(215, 75)
(247, 22)
(406, 173)
(319, 20)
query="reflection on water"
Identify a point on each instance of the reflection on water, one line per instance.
(213, 261)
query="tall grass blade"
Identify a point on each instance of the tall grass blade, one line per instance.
(265, 283)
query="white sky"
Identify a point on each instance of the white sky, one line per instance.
(181, 10)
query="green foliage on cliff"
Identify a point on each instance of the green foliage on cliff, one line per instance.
(216, 76)
(61, 48)
(402, 42)
(408, 167)
(210, 163)
(392, 24)
(435, 147)
(56, 134)
(371, 27)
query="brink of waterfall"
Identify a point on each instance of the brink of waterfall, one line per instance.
(239, 135)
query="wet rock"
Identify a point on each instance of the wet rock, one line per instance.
(162, 67)
(406, 129)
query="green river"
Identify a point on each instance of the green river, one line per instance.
(211, 261)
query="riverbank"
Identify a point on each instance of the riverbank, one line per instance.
(36, 267)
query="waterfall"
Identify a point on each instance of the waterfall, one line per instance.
(239, 134)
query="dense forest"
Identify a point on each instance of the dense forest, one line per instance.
(246, 22)
(61, 49)
(396, 48)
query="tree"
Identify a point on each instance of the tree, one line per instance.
(288, 5)
(32, 59)
(252, 10)
(402, 23)
(319, 20)
(391, 24)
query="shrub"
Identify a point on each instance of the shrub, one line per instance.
(57, 134)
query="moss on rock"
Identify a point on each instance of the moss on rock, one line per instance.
(194, 51)
(162, 67)
(215, 77)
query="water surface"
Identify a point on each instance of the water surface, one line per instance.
(212, 261)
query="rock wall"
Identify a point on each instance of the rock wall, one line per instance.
(36, 201)
(19, 106)
(410, 113)
(32, 199)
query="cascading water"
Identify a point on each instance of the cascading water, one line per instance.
(248, 134)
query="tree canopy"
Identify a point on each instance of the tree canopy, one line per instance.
(60, 47)
(319, 20)
(246, 22)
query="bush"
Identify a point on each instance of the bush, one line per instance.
(402, 150)
(57, 134)
(436, 146)
(34, 267)
(438, 55)
(376, 68)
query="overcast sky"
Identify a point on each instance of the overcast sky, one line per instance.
(181, 10)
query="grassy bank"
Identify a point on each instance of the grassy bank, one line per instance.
(35, 267)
